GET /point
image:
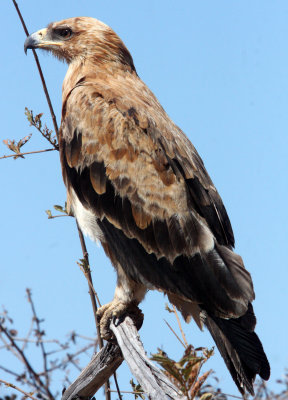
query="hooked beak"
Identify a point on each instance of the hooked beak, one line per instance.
(39, 40)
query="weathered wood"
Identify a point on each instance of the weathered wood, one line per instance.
(102, 365)
(100, 368)
(154, 383)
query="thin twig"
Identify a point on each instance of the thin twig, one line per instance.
(18, 339)
(17, 388)
(19, 378)
(170, 327)
(69, 358)
(91, 339)
(44, 354)
(16, 155)
(26, 340)
(126, 391)
(180, 326)
(265, 389)
(259, 390)
(94, 296)
(58, 216)
(33, 374)
(93, 299)
(44, 131)
(40, 72)
(8, 347)
(8, 371)
(117, 386)
(227, 395)
(90, 283)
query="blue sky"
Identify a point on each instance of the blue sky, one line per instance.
(220, 71)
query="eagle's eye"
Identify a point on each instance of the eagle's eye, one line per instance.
(64, 33)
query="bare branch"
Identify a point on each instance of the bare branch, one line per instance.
(215, 395)
(100, 368)
(37, 123)
(38, 382)
(39, 335)
(174, 333)
(154, 383)
(87, 272)
(82, 266)
(9, 347)
(26, 339)
(117, 386)
(180, 326)
(40, 72)
(125, 391)
(92, 293)
(69, 358)
(17, 388)
(15, 146)
(8, 371)
(24, 154)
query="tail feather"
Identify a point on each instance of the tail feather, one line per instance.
(241, 348)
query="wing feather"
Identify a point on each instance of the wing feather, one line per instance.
(144, 181)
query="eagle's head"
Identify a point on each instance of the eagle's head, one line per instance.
(81, 38)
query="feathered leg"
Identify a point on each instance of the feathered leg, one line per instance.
(128, 294)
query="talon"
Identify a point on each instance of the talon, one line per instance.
(117, 309)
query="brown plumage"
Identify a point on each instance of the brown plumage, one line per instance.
(137, 184)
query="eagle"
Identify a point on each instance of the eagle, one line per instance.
(137, 184)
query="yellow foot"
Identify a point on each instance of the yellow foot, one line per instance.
(117, 309)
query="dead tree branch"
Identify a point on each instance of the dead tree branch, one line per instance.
(97, 372)
(155, 384)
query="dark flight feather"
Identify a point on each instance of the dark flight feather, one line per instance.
(240, 348)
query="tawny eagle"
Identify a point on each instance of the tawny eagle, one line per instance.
(137, 184)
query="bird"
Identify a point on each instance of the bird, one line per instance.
(136, 183)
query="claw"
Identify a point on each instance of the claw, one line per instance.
(117, 309)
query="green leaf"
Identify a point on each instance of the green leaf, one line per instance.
(137, 388)
(61, 209)
(58, 208)
(48, 212)
(84, 264)
(29, 115)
